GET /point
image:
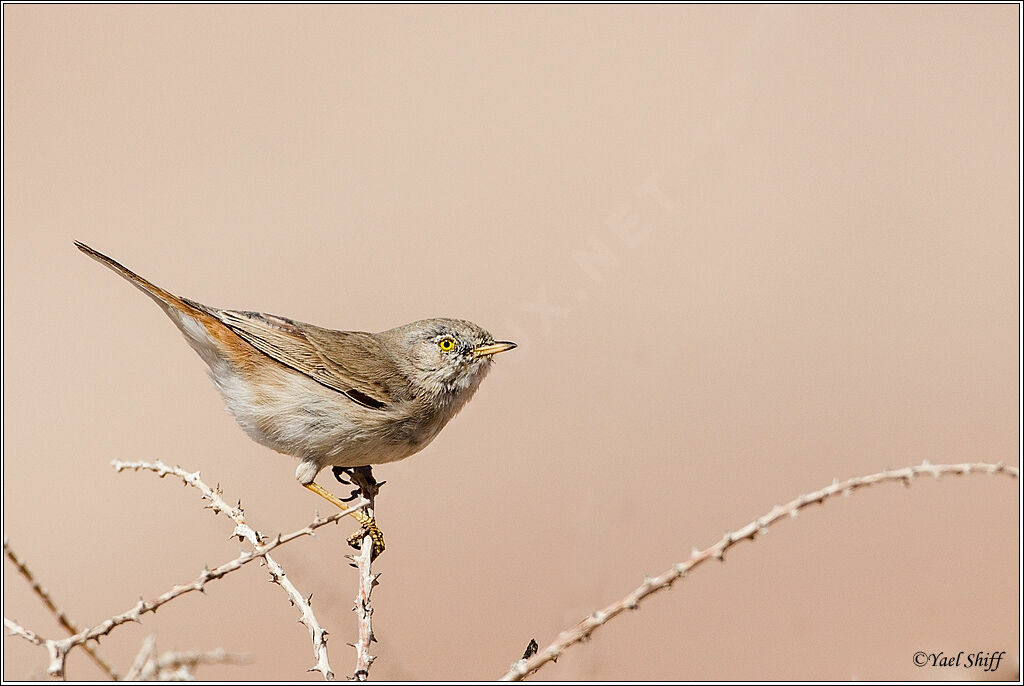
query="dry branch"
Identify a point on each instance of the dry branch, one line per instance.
(175, 666)
(145, 656)
(27, 634)
(317, 635)
(367, 580)
(58, 649)
(187, 659)
(364, 611)
(586, 627)
(61, 617)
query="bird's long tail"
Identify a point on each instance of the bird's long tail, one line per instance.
(203, 331)
(163, 298)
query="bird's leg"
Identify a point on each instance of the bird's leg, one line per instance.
(366, 486)
(369, 526)
(340, 473)
(362, 478)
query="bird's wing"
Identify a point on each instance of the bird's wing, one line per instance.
(350, 362)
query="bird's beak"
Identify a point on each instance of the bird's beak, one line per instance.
(493, 348)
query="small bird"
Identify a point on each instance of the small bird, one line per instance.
(345, 399)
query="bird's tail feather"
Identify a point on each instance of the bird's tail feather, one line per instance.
(203, 331)
(163, 298)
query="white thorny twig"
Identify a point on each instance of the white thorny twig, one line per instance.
(317, 635)
(58, 648)
(148, 665)
(51, 605)
(583, 630)
(367, 581)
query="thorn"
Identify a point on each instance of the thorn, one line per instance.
(694, 553)
(309, 599)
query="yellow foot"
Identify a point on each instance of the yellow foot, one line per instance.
(369, 529)
(369, 526)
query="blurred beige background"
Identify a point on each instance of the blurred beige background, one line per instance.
(744, 250)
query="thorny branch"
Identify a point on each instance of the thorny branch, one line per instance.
(367, 580)
(586, 627)
(145, 656)
(62, 618)
(175, 666)
(27, 634)
(317, 634)
(178, 659)
(58, 649)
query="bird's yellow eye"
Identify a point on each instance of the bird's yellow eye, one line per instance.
(446, 344)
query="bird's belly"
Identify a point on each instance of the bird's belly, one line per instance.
(292, 414)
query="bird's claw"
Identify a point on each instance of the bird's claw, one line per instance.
(371, 530)
(340, 473)
(361, 478)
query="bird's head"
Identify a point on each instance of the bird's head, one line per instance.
(446, 357)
